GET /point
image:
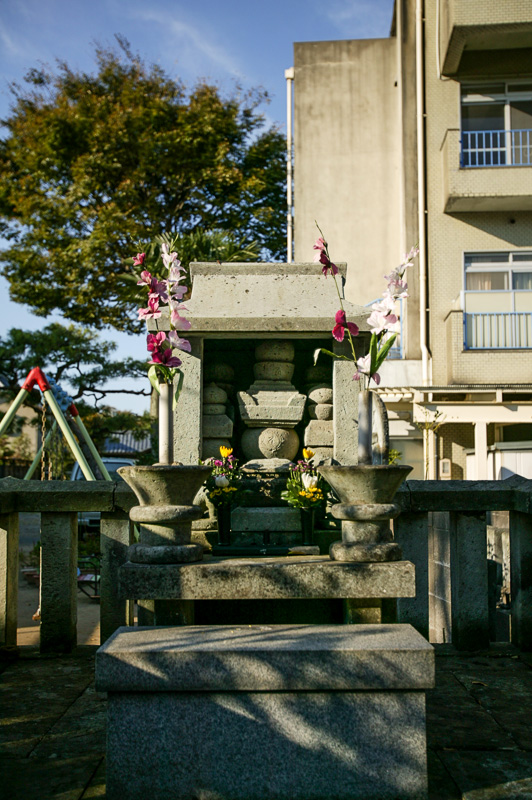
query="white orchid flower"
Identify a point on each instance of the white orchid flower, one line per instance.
(309, 481)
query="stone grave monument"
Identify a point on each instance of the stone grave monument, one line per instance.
(263, 706)
(250, 383)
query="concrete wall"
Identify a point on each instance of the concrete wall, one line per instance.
(450, 235)
(482, 366)
(346, 163)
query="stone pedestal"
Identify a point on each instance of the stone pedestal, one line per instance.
(366, 506)
(272, 406)
(165, 528)
(254, 713)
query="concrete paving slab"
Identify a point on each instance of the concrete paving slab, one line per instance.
(456, 720)
(490, 775)
(441, 785)
(46, 779)
(52, 739)
(490, 690)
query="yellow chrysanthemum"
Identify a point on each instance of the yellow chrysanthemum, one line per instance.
(307, 453)
(225, 451)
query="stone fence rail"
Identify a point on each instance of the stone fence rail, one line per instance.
(59, 503)
(459, 557)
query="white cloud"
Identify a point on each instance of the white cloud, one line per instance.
(189, 39)
(10, 45)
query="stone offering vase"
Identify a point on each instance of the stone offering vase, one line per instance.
(166, 511)
(307, 525)
(223, 516)
(366, 506)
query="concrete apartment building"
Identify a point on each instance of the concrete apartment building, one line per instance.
(426, 136)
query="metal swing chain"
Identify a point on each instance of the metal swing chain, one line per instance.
(51, 457)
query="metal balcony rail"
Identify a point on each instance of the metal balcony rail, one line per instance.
(502, 148)
(497, 330)
(450, 558)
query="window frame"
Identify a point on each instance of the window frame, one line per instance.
(471, 95)
(509, 267)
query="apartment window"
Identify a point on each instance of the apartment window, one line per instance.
(497, 124)
(498, 272)
(498, 301)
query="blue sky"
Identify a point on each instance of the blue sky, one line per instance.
(248, 42)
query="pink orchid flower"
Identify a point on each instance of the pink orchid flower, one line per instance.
(327, 265)
(155, 340)
(169, 259)
(322, 257)
(363, 367)
(177, 292)
(157, 288)
(397, 288)
(139, 259)
(320, 245)
(178, 343)
(341, 324)
(380, 321)
(145, 278)
(175, 272)
(409, 257)
(152, 312)
(179, 322)
(165, 358)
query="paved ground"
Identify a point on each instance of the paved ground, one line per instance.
(52, 731)
(52, 739)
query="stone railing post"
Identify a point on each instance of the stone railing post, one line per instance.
(469, 580)
(521, 579)
(8, 578)
(411, 531)
(115, 538)
(58, 592)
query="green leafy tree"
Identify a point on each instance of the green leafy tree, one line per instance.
(93, 164)
(73, 356)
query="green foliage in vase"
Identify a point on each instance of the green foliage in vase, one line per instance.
(394, 456)
(305, 488)
(224, 484)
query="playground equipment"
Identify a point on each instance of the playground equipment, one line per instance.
(60, 404)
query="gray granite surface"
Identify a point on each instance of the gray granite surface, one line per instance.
(266, 746)
(267, 578)
(265, 658)
(258, 297)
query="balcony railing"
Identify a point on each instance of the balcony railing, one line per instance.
(451, 559)
(497, 331)
(511, 148)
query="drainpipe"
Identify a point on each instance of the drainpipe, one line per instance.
(405, 327)
(425, 355)
(402, 199)
(289, 75)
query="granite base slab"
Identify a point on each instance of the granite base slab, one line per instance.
(275, 578)
(262, 712)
